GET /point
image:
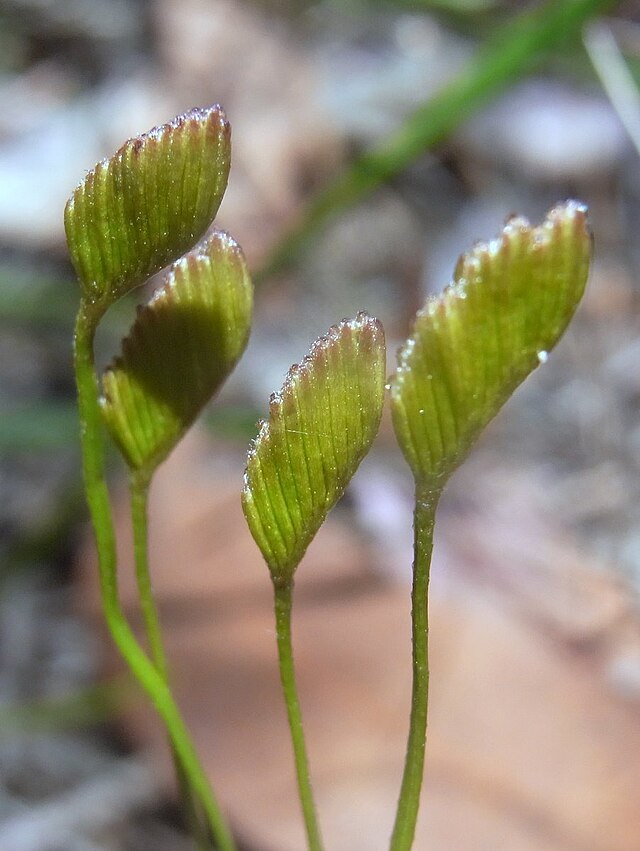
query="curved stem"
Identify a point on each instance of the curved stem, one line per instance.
(100, 509)
(283, 600)
(409, 800)
(139, 483)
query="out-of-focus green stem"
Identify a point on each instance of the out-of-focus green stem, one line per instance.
(507, 55)
(283, 601)
(91, 437)
(409, 800)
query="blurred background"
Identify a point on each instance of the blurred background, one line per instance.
(484, 108)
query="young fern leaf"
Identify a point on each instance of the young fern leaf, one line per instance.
(320, 427)
(144, 207)
(510, 301)
(182, 346)
(130, 217)
(508, 305)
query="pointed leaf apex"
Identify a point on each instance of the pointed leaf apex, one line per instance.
(135, 212)
(182, 346)
(321, 425)
(509, 303)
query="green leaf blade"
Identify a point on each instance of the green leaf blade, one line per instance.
(182, 346)
(510, 302)
(320, 427)
(152, 200)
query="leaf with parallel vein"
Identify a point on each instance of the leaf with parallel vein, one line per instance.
(320, 426)
(150, 202)
(182, 346)
(510, 301)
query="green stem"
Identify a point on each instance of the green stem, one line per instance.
(283, 600)
(100, 510)
(139, 483)
(409, 800)
(510, 53)
(139, 496)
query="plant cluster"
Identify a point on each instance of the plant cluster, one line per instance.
(152, 204)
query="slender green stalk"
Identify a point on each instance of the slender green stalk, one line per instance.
(409, 800)
(509, 53)
(139, 496)
(283, 599)
(139, 483)
(100, 509)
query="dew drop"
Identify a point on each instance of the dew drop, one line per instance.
(543, 356)
(494, 247)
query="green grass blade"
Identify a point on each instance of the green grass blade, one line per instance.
(183, 345)
(510, 53)
(152, 200)
(320, 426)
(509, 303)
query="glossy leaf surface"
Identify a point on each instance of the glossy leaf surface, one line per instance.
(509, 303)
(182, 346)
(152, 200)
(320, 426)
